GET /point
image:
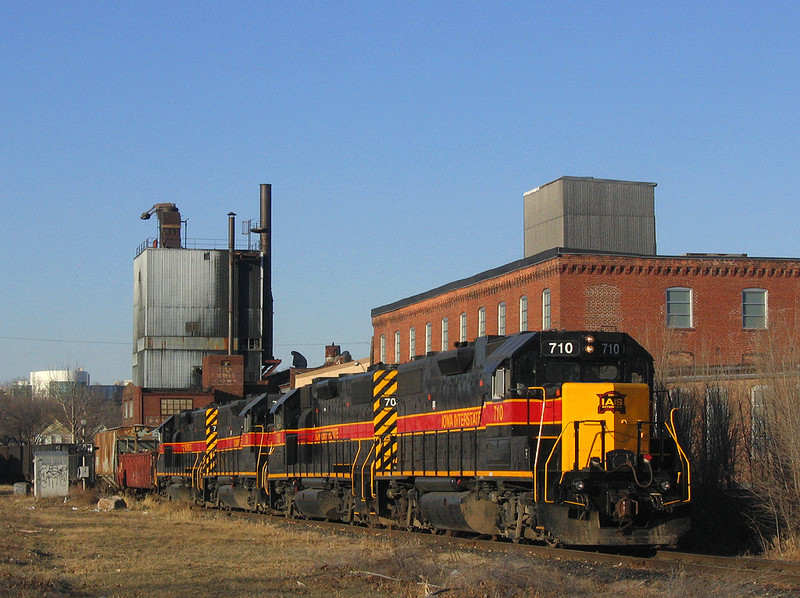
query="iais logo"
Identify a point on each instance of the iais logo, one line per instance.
(613, 401)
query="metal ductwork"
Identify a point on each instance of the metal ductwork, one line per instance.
(169, 224)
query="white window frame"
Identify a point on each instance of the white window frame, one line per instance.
(750, 305)
(547, 314)
(397, 346)
(445, 334)
(676, 304)
(383, 349)
(523, 313)
(428, 337)
(463, 327)
(501, 318)
(412, 343)
(481, 321)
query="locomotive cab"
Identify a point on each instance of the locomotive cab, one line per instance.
(603, 471)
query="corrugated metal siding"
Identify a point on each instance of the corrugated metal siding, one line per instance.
(136, 470)
(169, 369)
(181, 312)
(609, 216)
(591, 214)
(105, 455)
(186, 286)
(544, 218)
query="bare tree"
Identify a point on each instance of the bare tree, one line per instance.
(77, 408)
(709, 430)
(23, 416)
(773, 440)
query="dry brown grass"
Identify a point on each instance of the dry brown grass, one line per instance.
(788, 550)
(49, 548)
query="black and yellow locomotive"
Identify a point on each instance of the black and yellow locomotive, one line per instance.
(549, 436)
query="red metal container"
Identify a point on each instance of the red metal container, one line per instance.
(136, 471)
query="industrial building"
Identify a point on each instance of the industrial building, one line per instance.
(202, 320)
(590, 263)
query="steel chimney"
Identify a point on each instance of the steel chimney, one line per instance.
(265, 231)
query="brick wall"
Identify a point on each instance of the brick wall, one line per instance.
(618, 292)
(143, 407)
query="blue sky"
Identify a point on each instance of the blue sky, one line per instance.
(399, 139)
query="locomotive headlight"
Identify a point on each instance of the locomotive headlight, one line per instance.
(578, 486)
(589, 348)
(589, 339)
(664, 486)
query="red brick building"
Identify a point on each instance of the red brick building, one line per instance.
(222, 380)
(698, 310)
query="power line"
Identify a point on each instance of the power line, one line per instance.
(320, 344)
(58, 340)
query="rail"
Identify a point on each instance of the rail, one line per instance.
(210, 244)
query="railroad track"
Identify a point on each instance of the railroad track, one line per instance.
(749, 570)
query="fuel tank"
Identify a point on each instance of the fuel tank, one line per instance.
(317, 503)
(459, 511)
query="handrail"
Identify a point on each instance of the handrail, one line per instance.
(538, 442)
(576, 425)
(670, 427)
(258, 457)
(198, 463)
(684, 459)
(546, 463)
(371, 470)
(353, 469)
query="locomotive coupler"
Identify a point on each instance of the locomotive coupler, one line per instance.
(625, 509)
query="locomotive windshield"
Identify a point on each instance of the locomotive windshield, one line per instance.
(532, 368)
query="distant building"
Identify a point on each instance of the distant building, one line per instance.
(336, 364)
(108, 392)
(54, 434)
(46, 382)
(20, 389)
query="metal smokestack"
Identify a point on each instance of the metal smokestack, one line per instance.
(231, 227)
(265, 231)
